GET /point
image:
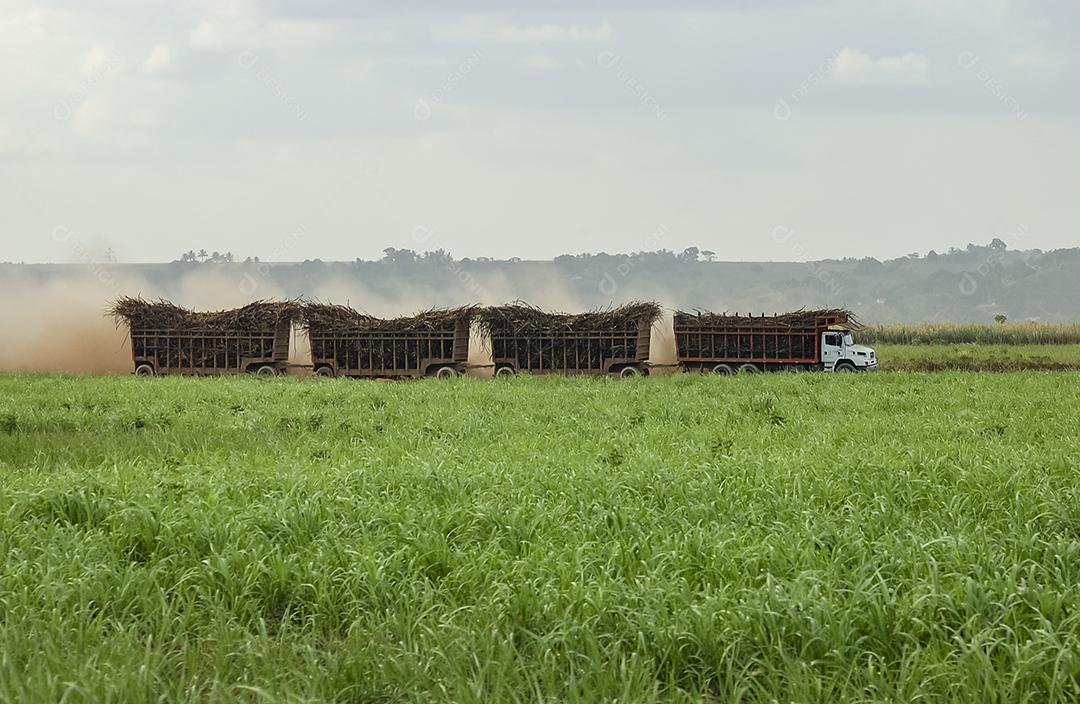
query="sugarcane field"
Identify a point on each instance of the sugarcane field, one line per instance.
(540, 353)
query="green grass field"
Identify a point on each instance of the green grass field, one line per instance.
(812, 537)
(1023, 333)
(978, 357)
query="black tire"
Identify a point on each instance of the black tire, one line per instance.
(445, 373)
(266, 370)
(327, 372)
(723, 370)
(505, 371)
(144, 370)
(748, 368)
(629, 372)
(844, 368)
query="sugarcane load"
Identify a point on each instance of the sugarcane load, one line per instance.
(517, 338)
(806, 340)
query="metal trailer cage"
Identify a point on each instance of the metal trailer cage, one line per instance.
(385, 354)
(210, 352)
(700, 344)
(623, 351)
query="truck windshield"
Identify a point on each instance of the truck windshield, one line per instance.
(848, 339)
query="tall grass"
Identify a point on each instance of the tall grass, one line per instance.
(888, 537)
(1028, 333)
(978, 358)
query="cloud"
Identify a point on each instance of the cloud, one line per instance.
(542, 62)
(853, 66)
(1038, 60)
(479, 29)
(100, 60)
(93, 117)
(555, 33)
(100, 118)
(209, 34)
(142, 119)
(159, 61)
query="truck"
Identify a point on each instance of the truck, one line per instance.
(167, 339)
(347, 343)
(816, 340)
(526, 340)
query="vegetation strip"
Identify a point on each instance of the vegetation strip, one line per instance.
(891, 537)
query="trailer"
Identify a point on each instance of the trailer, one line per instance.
(525, 340)
(210, 353)
(169, 340)
(347, 343)
(804, 340)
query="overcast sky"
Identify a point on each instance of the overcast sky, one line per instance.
(770, 130)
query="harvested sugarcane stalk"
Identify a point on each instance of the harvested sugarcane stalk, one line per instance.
(794, 320)
(260, 316)
(530, 339)
(356, 344)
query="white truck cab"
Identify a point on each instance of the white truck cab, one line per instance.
(839, 353)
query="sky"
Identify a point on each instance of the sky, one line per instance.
(332, 129)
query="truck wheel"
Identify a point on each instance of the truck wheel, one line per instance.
(144, 370)
(505, 371)
(748, 369)
(628, 372)
(445, 373)
(843, 368)
(723, 370)
(266, 370)
(325, 372)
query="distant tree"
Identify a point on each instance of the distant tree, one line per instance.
(708, 254)
(440, 256)
(1000, 319)
(399, 256)
(202, 255)
(690, 254)
(998, 245)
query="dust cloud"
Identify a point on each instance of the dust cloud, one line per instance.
(55, 318)
(662, 345)
(56, 321)
(59, 326)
